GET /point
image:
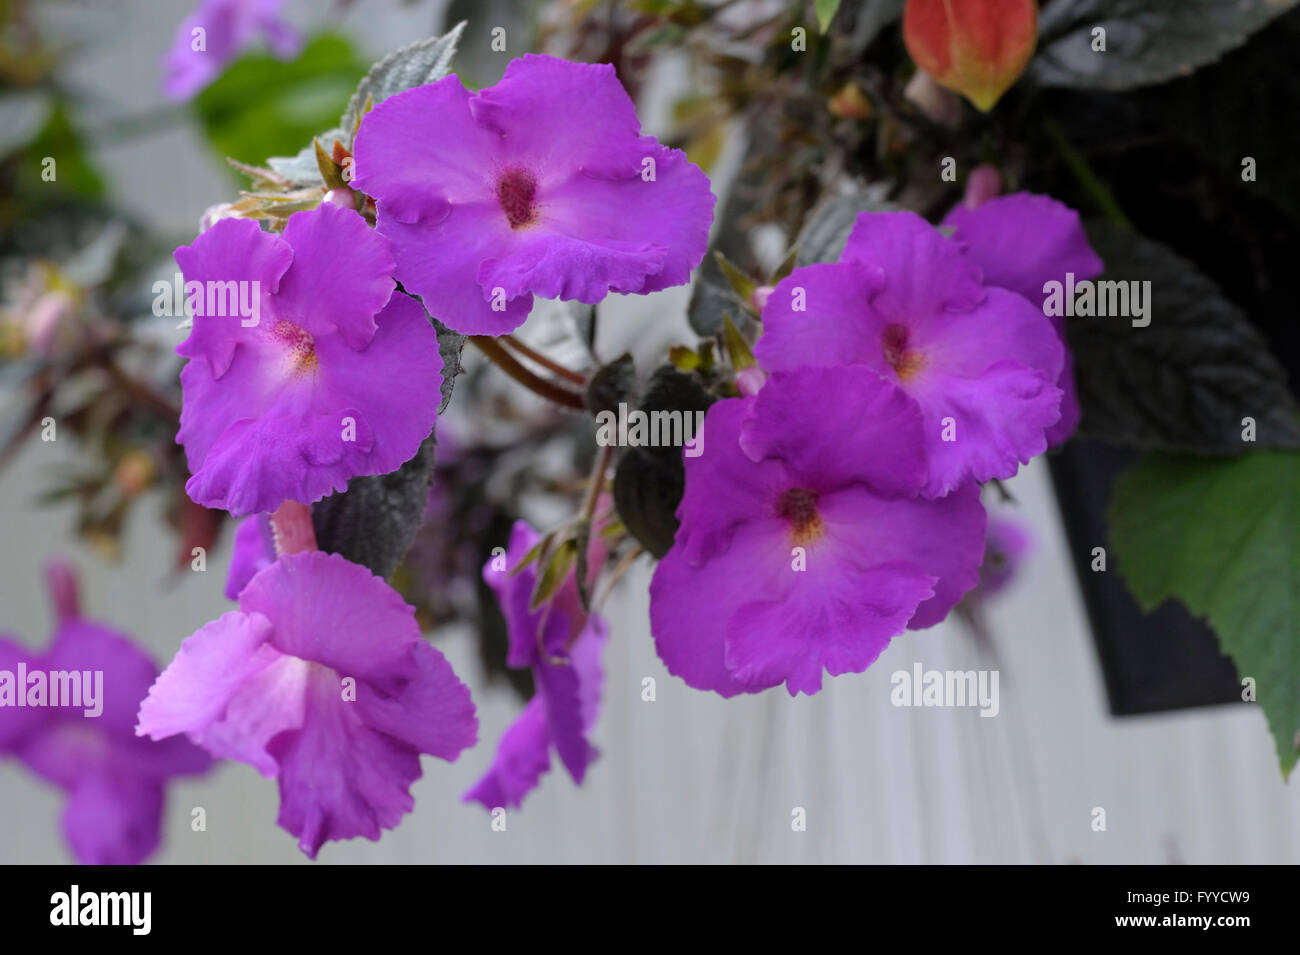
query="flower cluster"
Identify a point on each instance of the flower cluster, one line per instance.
(308, 367)
(561, 643)
(840, 504)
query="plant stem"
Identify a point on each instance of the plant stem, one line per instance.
(538, 358)
(597, 482)
(540, 386)
(1093, 186)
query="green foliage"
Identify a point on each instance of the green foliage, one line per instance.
(264, 107)
(1223, 536)
(1185, 381)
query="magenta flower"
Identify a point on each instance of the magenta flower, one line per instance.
(1007, 545)
(904, 301)
(562, 644)
(1023, 241)
(228, 26)
(802, 546)
(539, 185)
(319, 375)
(322, 680)
(252, 552)
(115, 782)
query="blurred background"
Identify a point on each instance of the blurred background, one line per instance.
(688, 777)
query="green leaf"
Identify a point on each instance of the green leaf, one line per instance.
(73, 172)
(1224, 537)
(1186, 381)
(330, 172)
(555, 572)
(740, 283)
(263, 107)
(648, 482)
(828, 225)
(738, 350)
(825, 12)
(1147, 41)
(418, 63)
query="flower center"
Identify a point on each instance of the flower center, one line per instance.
(905, 361)
(517, 192)
(799, 506)
(300, 346)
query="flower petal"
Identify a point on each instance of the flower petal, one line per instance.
(319, 295)
(522, 756)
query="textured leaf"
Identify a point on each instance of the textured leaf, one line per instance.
(374, 521)
(418, 63)
(450, 345)
(1185, 381)
(303, 169)
(424, 61)
(611, 384)
(711, 299)
(1147, 41)
(648, 482)
(1224, 537)
(827, 227)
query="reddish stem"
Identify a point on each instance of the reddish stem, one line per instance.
(292, 527)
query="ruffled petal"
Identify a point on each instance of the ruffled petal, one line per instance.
(690, 605)
(304, 434)
(724, 487)
(924, 271)
(232, 251)
(522, 756)
(1022, 241)
(876, 427)
(211, 668)
(319, 295)
(339, 778)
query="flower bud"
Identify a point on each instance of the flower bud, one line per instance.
(976, 47)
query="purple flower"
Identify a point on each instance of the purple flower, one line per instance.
(319, 375)
(322, 680)
(1007, 545)
(228, 26)
(981, 362)
(252, 552)
(801, 546)
(114, 781)
(539, 185)
(1023, 241)
(562, 644)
